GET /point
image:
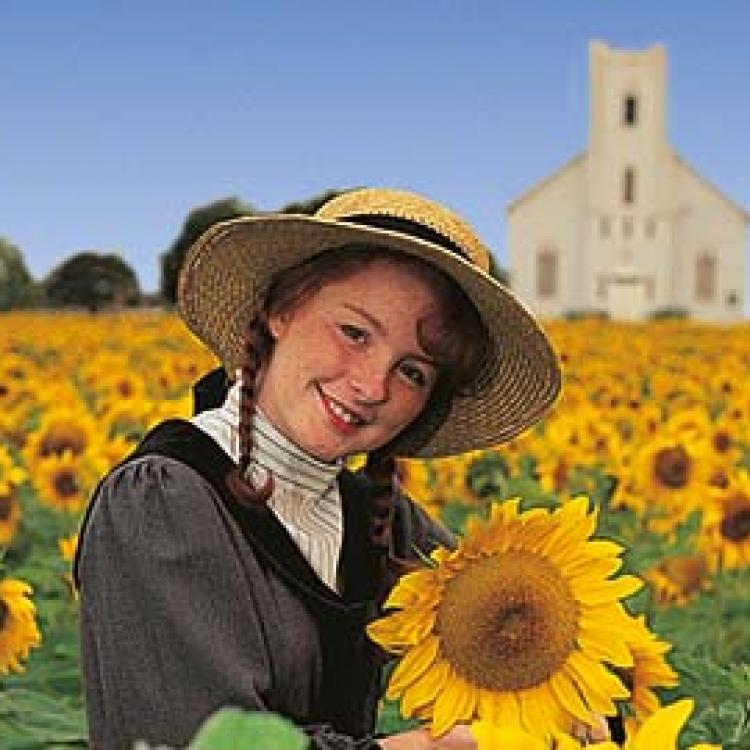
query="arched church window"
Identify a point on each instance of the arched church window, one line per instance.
(628, 185)
(705, 278)
(630, 110)
(546, 272)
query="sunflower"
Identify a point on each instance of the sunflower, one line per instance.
(415, 478)
(490, 736)
(671, 473)
(650, 669)
(678, 579)
(121, 387)
(725, 533)
(660, 730)
(61, 430)
(125, 418)
(63, 482)
(67, 546)
(10, 517)
(10, 509)
(11, 475)
(18, 629)
(514, 626)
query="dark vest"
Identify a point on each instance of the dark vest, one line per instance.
(351, 663)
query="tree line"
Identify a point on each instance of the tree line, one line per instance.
(96, 281)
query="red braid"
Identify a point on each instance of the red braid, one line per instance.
(257, 346)
(381, 471)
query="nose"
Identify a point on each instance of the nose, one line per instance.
(369, 381)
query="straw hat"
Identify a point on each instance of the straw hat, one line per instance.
(227, 272)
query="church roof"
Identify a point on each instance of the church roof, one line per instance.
(581, 157)
(713, 188)
(532, 191)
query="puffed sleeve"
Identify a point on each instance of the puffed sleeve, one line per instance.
(171, 628)
(167, 618)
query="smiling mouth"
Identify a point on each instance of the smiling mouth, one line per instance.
(342, 412)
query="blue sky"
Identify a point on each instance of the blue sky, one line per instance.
(117, 118)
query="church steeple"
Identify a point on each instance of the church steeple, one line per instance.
(627, 125)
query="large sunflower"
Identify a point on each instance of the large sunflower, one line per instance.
(514, 626)
(18, 629)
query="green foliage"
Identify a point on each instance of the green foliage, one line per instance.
(311, 205)
(43, 706)
(17, 287)
(669, 313)
(585, 314)
(197, 222)
(231, 728)
(92, 281)
(30, 719)
(497, 272)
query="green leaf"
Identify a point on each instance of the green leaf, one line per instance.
(229, 727)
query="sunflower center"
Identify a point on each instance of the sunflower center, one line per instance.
(719, 479)
(672, 466)
(55, 443)
(65, 484)
(722, 442)
(125, 388)
(735, 525)
(4, 612)
(507, 622)
(6, 507)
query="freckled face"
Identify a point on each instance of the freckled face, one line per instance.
(347, 373)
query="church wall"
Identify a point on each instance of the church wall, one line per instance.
(706, 225)
(549, 219)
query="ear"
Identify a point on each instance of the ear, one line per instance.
(278, 324)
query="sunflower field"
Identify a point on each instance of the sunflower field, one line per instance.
(641, 469)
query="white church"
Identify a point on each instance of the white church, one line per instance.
(628, 227)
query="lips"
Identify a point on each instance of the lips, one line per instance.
(342, 416)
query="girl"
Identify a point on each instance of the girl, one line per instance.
(233, 559)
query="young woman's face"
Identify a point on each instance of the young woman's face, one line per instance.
(347, 373)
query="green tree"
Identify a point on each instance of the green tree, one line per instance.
(497, 272)
(203, 218)
(92, 281)
(197, 222)
(17, 287)
(311, 205)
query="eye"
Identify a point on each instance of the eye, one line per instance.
(415, 375)
(354, 333)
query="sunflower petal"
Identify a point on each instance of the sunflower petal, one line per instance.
(413, 665)
(661, 728)
(425, 689)
(456, 702)
(608, 591)
(570, 699)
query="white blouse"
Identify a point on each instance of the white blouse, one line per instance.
(305, 497)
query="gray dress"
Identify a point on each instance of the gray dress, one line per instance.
(190, 602)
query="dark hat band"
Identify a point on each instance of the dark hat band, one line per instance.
(408, 227)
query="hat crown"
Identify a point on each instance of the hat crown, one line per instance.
(402, 204)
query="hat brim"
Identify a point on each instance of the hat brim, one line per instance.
(227, 272)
